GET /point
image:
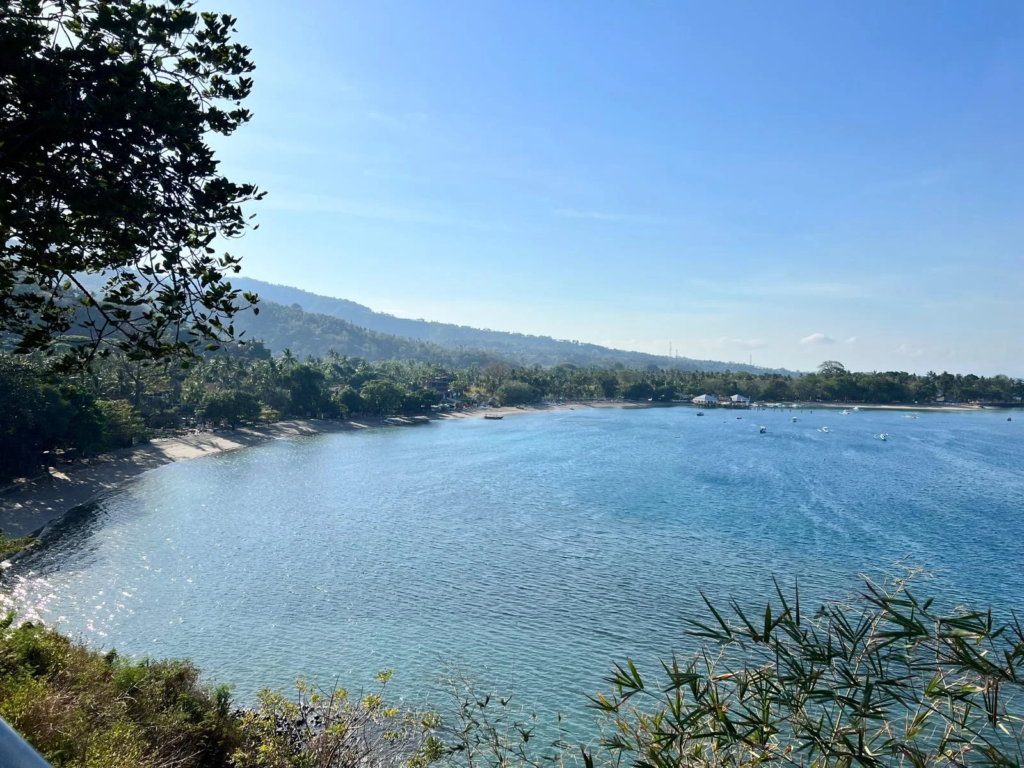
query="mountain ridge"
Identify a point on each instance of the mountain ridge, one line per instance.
(515, 347)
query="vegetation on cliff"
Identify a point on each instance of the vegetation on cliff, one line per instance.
(887, 677)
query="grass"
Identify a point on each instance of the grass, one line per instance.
(885, 677)
(84, 709)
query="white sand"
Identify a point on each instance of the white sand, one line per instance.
(26, 508)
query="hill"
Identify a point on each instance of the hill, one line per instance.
(514, 347)
(282, 327)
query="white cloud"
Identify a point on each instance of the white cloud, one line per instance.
(851, 340)
(818, 338)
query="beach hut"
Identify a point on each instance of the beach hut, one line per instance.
(739, 401)
(705, 400)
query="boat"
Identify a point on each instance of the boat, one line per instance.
(493, 417)
(856, 407)
(763, 430)
(883, 436)
(700, 413)
(823, 429)
(845, 412)
(738, 418)
(794, 419)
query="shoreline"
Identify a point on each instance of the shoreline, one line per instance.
(30, 507)
(905, 407)
(27, 508)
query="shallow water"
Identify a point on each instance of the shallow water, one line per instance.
(536, 549)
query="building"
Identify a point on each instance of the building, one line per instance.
(440, 384)
(739, 401)
(707, 400)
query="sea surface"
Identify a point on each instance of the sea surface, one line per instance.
(533, 551)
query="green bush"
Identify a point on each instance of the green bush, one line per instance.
(82, 708)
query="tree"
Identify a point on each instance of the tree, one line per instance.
(110, 195)
(493, 376)
(885, 678)
(381, 396)
(778, 389)
(608, 383)
(122, 423)
(350, 399)
(516, 393)
(231, 406)
(307, 390)
(34, 418)
(421, 400)
(639, 391)
(832, 368)
(664, 394)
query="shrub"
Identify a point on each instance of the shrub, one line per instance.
(886, 677)
(82, 708)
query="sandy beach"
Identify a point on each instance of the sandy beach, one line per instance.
(28, 507)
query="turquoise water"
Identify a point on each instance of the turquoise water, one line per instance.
(535, 550)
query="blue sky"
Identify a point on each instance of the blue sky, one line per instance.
(789, 181)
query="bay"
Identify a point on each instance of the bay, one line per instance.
(535, 551)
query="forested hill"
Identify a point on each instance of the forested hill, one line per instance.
(282, 327)
(514, 347)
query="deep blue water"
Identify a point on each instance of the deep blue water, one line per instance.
(536, 550)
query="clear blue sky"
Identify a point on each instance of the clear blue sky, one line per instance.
(792, 181)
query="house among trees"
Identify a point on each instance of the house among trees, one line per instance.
(705, 400)
(739, 401)
(440, 384)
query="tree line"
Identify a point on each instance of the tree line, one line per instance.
(46, 414)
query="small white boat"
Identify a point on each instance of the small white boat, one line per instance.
(856, 407)
(824, 429)
(794, 419)
(845, 412)
(883, 436)
(493, 417)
